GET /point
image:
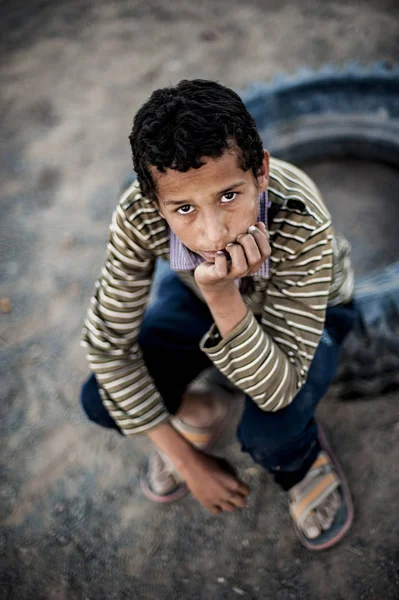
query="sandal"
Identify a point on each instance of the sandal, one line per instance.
(324, 476)
(158, 481)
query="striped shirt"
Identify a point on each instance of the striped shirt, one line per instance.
(268, 353)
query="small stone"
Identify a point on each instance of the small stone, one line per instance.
(210, 35)
(353, 550)
(5, 305)
(221, 580)
(251, 470)
(62, 540)
(238, 591)
(245, 543)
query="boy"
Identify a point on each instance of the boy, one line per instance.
(254, 266)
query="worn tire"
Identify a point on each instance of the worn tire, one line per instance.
(353, 110)
(369, 362)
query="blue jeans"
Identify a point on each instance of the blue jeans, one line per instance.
(283, 442)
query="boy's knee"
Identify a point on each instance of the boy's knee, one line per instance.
(93, 406)
(88, 393)
(268, 436)
(91, 402)
(269, 439)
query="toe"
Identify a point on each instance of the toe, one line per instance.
(327, 512)
(326, 516)
(311, 527)
(335, 500)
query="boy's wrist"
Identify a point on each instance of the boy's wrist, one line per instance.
(174, 445)
(227, 307)
(220, 294)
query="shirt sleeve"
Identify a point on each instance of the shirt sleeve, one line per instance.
(113, 320)
(269, 360)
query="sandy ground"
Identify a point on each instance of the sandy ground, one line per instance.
(74, 524)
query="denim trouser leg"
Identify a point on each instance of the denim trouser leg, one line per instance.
(93, 406)
(284, 442)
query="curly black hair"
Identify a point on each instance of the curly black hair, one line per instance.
(179, 126)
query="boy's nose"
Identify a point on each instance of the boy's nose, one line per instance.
(215, 234)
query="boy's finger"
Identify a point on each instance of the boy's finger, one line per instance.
(259, 229)
(262, 226)
(251, 247)
(261, 238)
(239, 262)
(221, 268)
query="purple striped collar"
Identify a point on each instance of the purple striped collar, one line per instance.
(183, 259)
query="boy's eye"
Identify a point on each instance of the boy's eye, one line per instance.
(185, 209)
(230, 196)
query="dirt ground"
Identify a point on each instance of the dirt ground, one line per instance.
(74, 524)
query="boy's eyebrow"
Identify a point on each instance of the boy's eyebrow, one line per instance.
(234, 185)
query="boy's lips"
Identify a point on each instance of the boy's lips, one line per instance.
(210, 254)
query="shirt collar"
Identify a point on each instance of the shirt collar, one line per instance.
(183, 259)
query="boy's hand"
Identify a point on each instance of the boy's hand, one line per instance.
(213, 486)
(211, 480)
(242, 258)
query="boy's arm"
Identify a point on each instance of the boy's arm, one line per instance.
(269, 360)
(113, 320)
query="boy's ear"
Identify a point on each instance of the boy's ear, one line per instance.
(160, 213)
(158, 208)
(263, 173)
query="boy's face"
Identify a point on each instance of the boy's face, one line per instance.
(211, 206)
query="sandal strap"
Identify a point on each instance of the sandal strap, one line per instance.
(202, 437)
(318, 484)
(198, 437)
